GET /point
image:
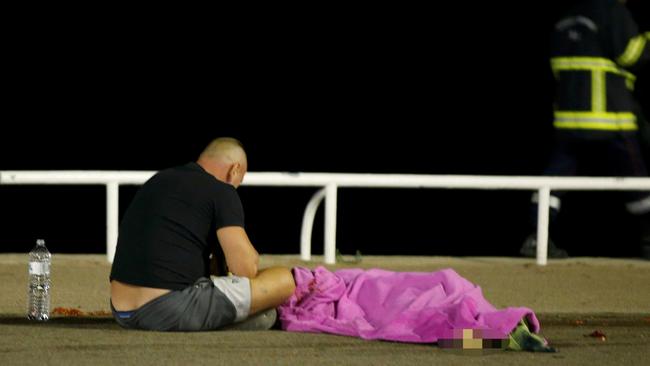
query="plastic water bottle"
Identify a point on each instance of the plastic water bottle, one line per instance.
(38, 292)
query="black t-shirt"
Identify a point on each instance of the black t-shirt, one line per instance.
(169, 229)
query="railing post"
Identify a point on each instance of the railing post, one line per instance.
(112, 218)
(308, 224)
(542, 225)
(330, 223)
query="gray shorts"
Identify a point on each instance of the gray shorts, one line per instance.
(209, 304)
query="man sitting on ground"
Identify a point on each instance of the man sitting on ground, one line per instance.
(160, 279)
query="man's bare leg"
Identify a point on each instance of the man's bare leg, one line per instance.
(271, 288)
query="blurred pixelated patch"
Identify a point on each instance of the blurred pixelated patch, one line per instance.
(473, 339)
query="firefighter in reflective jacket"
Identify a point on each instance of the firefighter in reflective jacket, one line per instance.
(595, 50)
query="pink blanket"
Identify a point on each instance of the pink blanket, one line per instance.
(399, 306)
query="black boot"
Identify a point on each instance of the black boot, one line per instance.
(645, 235)
(645, 251)
(529, 248)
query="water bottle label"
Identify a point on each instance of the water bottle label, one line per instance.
(38, 268)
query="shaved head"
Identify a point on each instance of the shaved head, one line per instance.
(225, 159)
(226, 149)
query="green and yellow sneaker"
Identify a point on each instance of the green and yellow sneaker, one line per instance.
(521, 339)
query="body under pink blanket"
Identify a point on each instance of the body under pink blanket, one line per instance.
(419, 307)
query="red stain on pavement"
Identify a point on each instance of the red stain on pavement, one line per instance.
(79, 313)
(597, 334)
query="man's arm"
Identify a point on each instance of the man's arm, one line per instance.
(629, 45)
(241, 257)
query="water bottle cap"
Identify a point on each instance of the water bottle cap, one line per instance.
(40, 242)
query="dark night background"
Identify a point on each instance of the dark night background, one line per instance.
(460, 89)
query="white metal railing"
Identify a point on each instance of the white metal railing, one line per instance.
(330, 183)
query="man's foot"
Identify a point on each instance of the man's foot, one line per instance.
(529, 248)
(521, 339)
(260, 321)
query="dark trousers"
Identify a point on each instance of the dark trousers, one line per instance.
(615, 154)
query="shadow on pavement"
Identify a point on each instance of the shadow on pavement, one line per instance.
(105, 323)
